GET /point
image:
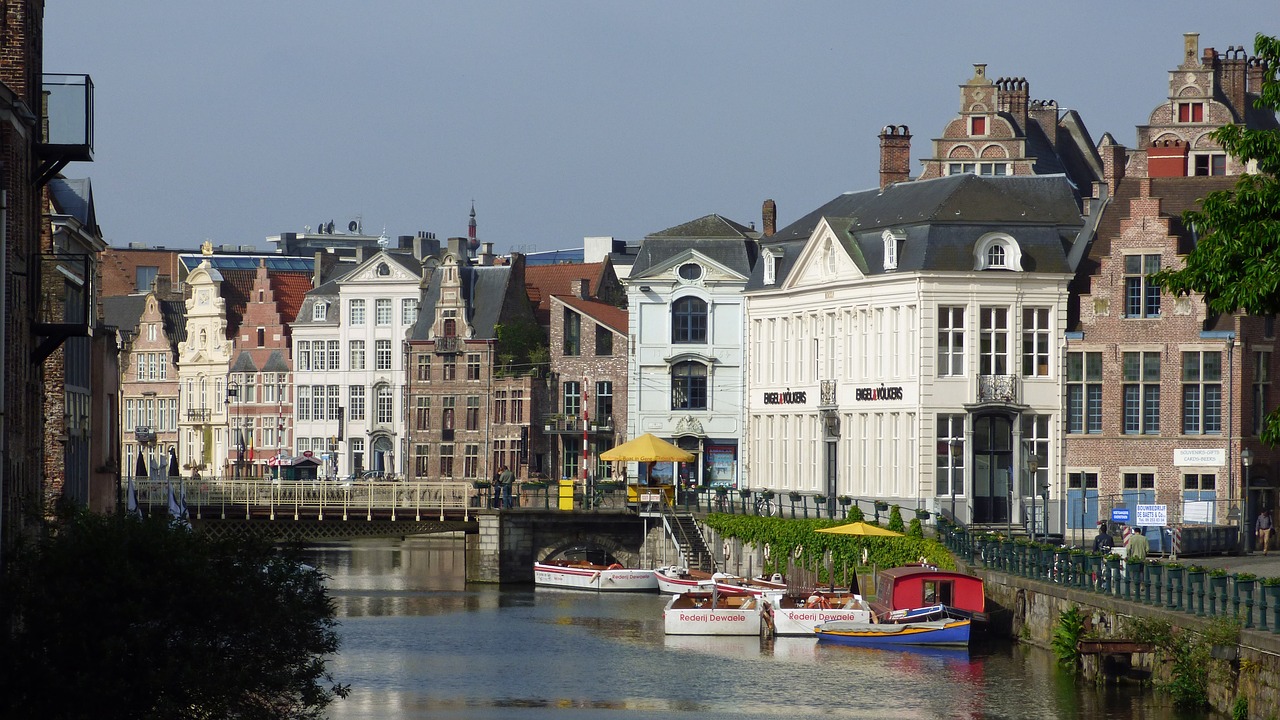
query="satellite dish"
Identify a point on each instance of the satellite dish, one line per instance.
(351, 226)
(329, 228)
(320, 228)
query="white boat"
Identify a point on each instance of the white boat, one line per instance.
(756, 586)
(711, 612)
(673, 579)
(581, 575)
(800, 615)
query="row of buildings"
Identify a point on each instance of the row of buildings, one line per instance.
(980, 339)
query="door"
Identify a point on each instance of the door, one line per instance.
(992, 468)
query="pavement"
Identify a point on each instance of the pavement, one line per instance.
(1267, 565)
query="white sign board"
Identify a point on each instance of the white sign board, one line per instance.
(1151, 516)
(1200, 511)
(1213, 457)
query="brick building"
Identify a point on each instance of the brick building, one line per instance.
(131, 270)
(1163, 396)
(150, 328)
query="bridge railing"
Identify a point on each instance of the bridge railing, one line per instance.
(242, 497)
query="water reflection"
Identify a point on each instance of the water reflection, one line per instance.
(419, 642)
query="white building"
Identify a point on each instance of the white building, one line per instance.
(686, 369)
(349, 371)
(204, 360)
(905, 337)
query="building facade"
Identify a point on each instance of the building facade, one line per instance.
(151, 330)
(204, 362)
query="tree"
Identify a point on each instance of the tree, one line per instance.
(115, 617)
(1235, 264)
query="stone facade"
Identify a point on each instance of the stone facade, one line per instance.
(261, 371)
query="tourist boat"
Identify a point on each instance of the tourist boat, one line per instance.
(915, 592)
(756, 586)
(713, 612)
(942, 632)
(800, 614)
(673, 579)
(582, 575)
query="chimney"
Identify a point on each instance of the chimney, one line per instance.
(769, 217)
(579, 288)
(486, 254)
(1114, 157)
(458, 246)
(317, 272)
(1012, 95)
(895, 155)
(1191, 49)
(1229, 74)
(1045, 114)
(162, 286)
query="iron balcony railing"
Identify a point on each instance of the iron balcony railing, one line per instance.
(998, 388)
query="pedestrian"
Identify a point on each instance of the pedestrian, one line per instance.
(1264, 530)
(495, 490)
(1103, 542)
(506, 479)
(1136, 555)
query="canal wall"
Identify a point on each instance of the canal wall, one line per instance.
(1029, 610)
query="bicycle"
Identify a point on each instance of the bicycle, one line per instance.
(765, 507)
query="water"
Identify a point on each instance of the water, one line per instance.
(418, 642)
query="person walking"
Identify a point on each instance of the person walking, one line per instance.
(506, 479)
(1103, 542)
(1264, 530)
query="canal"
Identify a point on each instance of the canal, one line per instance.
(418, 642)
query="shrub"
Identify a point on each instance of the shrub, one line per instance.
(895, 519)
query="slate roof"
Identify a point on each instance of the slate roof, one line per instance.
(613, 317)
(244, 364)
(74, 197)
(943, 218)
(276, 363)
(484, 289)
(123, 312)
(722, 240)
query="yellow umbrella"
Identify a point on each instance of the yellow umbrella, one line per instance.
(860, 528)
(647, 448)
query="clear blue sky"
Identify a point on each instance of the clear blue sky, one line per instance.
(239, 119)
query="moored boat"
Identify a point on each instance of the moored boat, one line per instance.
(712, 612)
(912, 591)
(582, 575)
(944, 632)
(756, 586)
(799, 615)
(674, 579)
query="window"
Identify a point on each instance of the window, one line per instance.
(891, 240)
(1196, 483)
(1190, 112)
(571, 457)
(382, 312)
(262, 337)
(386, 411)
(1261, 389)
(572, 333)
(1141, 376)
(979, 168)
(1035, 443)
(356, 312)
(318, 411)
(1084, 392)
(450, 371)
(303, 359)
(357, 354)
(422, 413)
(770, 268)
(473, 412)
(1035, 342)
(409, 311)
(446, 460)
(517, 406)
(500, 407)
(335, 355)
(144, 277)
(604, 400)
(1139, 481)
(383, 270)
(689, 321)
(471, 461)
(304, 402)
(446, 415)
(421, 460)
(424, 367)
(690, 271)
(993, 350)
(689, 386)
(335, 402)
(1082, 481)
(1141, 297)
(1209, 164)
(604, 341)
(382, 354)
(473, 366)
(1202, 393)
(978, 125)
(357, 453)
(950, 470)
(355, 401)
(995, 256)
(571, 391)
(319, 310)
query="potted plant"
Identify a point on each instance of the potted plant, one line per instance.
(820, 499)
(744, 493)
(922, 514)
(795, 496)
(882, 506)
(1217, 588)
(1271, 593)
(766, 494)
(481, 484)
(845, 500)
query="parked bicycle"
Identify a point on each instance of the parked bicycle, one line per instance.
(765, 506)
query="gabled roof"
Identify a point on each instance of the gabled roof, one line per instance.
(289, 290)
(707, 226)
(543, 281)
(724, 241)
(615, 318)
(276, 362)
(74, 197)
(483, 291)
(124, 311)
(244, 364)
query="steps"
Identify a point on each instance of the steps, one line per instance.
(684, 530)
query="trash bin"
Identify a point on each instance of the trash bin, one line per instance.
(566, 494)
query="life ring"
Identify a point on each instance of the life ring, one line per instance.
(799, 551)
(725, 549)
(766, 552)
(614, 566)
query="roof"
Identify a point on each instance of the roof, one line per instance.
(289, 290)
(74, 197)
(724, 241)
(237, 287)
(276, 363)
(615, 318)
(124, 311)
(543, 281)
(484, 289)
(244, 364)
(248, 262)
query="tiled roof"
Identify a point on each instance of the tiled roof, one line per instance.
(289, 289)
(543, 281)
(613, 317)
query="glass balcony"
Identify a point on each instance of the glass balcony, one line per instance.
(67, 116)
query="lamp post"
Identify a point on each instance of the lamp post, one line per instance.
(1246, 458)
(953, 447)
(831, 421)
(233, 391)
(1033, 467)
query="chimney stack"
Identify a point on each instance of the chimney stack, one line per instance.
(486, 254)
(769, 217)
(1191, 49)
(579, 288)
(895, 155)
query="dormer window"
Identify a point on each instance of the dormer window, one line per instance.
(978, 125)
(893, 239)
(997, 251)
(319, 311)
(770, 267)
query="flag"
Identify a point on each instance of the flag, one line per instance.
(178, 511)
(131, 507)
(250, 447)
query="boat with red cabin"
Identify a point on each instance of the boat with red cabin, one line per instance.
(915, 592)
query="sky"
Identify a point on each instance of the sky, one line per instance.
(234, 120)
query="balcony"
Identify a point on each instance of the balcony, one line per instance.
(200, 415)
(998, 389)
(66, 300)
(144, 434)
(66, 123)
(565, 425)
(447, 345)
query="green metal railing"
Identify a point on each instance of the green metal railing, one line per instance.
(1181, 587)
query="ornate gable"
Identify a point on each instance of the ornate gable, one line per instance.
(824, 261)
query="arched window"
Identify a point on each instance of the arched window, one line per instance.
(689, 320)
(995, 256)
(689, 386)
(997, 251)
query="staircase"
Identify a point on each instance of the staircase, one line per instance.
(685, 532)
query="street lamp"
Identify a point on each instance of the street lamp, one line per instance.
(1246, 457)
(831, 421)
(953, 446)
(233, 391)
(1033, 467)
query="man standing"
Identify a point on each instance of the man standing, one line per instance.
(1103, 542)
(506, 479)
(1136, 555)
(1264, 530)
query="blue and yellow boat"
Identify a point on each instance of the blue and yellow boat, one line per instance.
(944, 631)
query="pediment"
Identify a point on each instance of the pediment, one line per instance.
(824, 260)
(381, 269)
(712, 271)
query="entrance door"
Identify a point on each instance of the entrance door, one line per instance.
(381, 460)
(992, 468)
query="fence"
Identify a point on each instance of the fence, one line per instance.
(1175, 586)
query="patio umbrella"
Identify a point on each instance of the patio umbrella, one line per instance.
(140, 470)
(647, 448)
(860, 528)
(173, 463)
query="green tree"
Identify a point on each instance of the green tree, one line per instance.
(1235, 264)
(114, 617)
(521, 346)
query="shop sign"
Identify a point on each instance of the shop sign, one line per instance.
(882, 392)
(790, 397)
